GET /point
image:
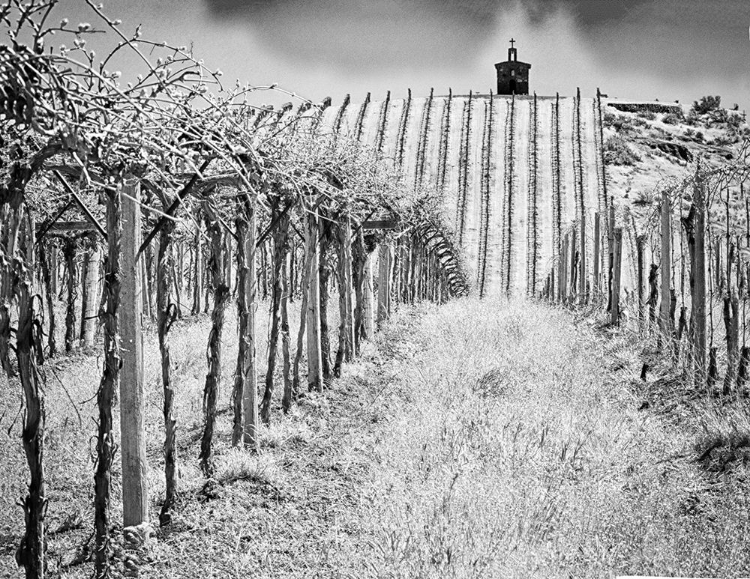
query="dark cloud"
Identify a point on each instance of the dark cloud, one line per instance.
(685, 43)
(590, 13)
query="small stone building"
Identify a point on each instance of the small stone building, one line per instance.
(512, 75)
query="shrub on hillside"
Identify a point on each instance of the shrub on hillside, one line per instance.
(671, 119)
(706, 105)
(618, 152)
(647, 115)
(719, 116)
(723, 141)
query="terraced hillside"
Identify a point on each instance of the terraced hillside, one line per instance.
(516, 173)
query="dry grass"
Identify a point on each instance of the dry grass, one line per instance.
(473, 440)
(517, 449)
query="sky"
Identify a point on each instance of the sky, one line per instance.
(632, 49)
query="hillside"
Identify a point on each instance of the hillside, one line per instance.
(646, 146)
(518, 173)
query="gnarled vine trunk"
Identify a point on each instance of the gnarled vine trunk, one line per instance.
(213, 354)
(105, 446)
(292, 393)
(324, 275)
(29, 346)
(280, 248)
(165, 315)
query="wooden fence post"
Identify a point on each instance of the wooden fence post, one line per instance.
(248, 292)
(666, 269)
(641, 248)
(197, 267)
(53, 269)
(610, 250)
(597, 251)
(573, 280)
(132, 403)
(564, 270)
(698, 282)
(368, 298)
(347, 265)
(617, 270)
(584, 272)
(385, 258)
(91, 293)
(314, 361)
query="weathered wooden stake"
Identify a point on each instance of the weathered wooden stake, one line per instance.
(564, 269)
(368, 299)
(69, 252)
(247, 297)
(666, 269)
(616, 273)
(53, 252)
(697, 243)
(641, 248)
(584, 272)
(314, 362)
(91, 293)
(610, 250)
(347, 265)
(47, 274)
(597, 252)
(198, 267)
(132, 402)
(385, 258)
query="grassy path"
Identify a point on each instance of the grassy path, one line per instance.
(516, 448)
(472, 440)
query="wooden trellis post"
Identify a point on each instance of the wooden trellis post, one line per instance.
(197, 272)
(91, 292)
(610, 249)
(368, 299)
(69, 252)
(666, 268)
(385, 258)
(597, 251)
(248, 294)
(563, 276)
(584, 271)
(641, 248)
(697, 241)
(346, 264)
(574, 263)
(616, 273)
(132, 403)
(53, 269)
(314, 362)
